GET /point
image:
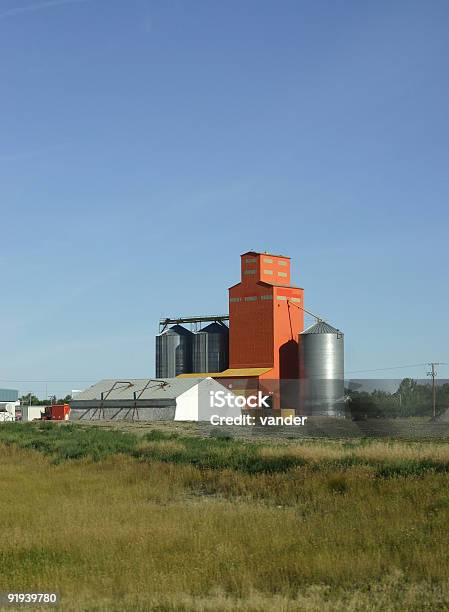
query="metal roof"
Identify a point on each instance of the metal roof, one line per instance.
(9, 395)
(124, 389)
(262, 282)
(264, 253)
(177, 330)
(198, 319)
(321, 327)
(230, 373)
(215, 328)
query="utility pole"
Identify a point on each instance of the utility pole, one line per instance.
(433, 374)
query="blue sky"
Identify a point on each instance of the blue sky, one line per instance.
(146, 144)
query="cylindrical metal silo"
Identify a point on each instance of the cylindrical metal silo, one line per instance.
(173, 352)
(211, 348)
(321, 370)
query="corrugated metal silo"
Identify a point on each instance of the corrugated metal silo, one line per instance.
(211, 348)
(173, 352)
(321, 370)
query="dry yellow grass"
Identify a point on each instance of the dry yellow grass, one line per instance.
(318, 451)
(164, 447)
(123, 534)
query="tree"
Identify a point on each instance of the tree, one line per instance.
(364, 406)
(30, 400)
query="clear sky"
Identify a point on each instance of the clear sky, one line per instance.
(144, 145)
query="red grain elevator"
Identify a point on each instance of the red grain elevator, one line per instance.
(264, 320)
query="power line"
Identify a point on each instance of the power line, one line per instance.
(73, 380)
(433, 374)
(413, 365)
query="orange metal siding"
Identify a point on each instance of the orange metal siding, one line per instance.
(289, 322)
(264, 329)
(251, 327)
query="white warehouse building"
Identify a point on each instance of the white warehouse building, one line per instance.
(178, 399)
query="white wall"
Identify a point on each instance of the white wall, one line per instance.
(187, 405)
(30, 413)
(194, 404)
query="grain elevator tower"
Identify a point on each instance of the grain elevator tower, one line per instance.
(264, 326)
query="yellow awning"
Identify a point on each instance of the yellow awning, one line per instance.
(229, 373)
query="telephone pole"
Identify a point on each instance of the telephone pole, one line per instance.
(433, 374)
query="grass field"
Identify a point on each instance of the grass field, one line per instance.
(167, 521)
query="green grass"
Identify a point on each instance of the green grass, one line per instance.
(180, 522)
(67, 441)
(70, 441)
